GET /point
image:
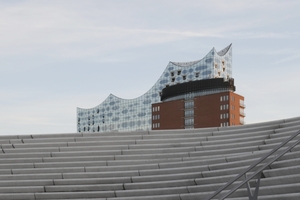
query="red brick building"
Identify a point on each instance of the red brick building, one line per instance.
(199, 104)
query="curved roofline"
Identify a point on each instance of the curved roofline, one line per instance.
(185, 64)
(179, 64)
(190, 63)
(224, 51)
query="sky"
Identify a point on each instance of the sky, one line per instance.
(58, 55)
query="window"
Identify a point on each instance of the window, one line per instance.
(178, 72)
(173, 79)
(224, 124)
(189, 104)
(189, 121)
(189, 113)
(155, 117)
(184, 77)
(224, 116)
(223, 62)
(224, 98)
(172, 73)
(197, 75)
(224, 107)
(155, 108)
(155, 125)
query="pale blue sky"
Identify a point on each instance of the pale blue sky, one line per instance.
(59, 55)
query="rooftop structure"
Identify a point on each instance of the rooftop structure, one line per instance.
(117, 114)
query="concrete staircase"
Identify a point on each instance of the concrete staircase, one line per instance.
(156, 165)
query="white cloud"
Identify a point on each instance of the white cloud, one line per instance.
(72, 31)
(295, 55)
(263, 35)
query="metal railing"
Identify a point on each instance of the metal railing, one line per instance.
(257, 172)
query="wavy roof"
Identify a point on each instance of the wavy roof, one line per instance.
(224, 51)
(121, 112)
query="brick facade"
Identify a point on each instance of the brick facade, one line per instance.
(214, 110)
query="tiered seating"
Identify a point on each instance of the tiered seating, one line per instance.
(156, 165)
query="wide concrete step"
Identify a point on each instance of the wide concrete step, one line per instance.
(83, 188)
(74, 195)
(279, 180)
(283, 171)
(159, 184)
(244, 136)
(17, 196)
(293, 127)
(288, 196)
(23, 189)
(278, 140)
(223, 152)
(234, 142)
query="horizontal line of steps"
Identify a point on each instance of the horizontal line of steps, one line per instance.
(156, 165)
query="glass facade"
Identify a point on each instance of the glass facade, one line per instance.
(117, 114)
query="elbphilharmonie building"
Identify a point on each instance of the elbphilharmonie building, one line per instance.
(117, 114)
